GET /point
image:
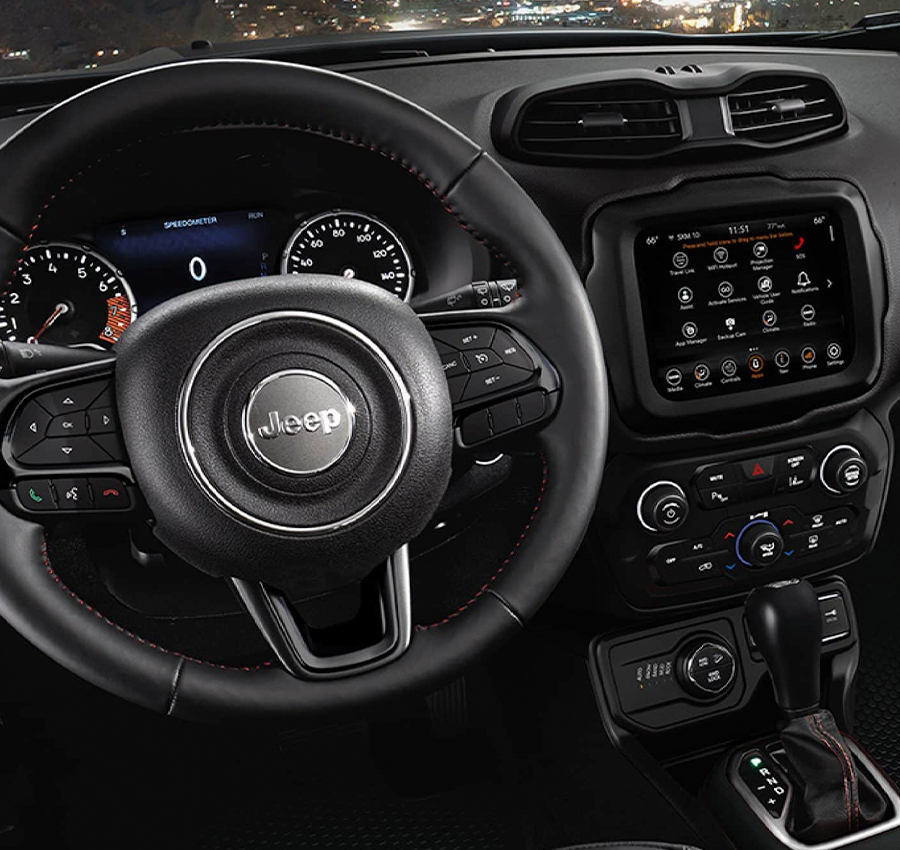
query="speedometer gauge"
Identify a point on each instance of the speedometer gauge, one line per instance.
(65, 294)
(354, 245)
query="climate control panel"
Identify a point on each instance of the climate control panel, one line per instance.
(701, 526)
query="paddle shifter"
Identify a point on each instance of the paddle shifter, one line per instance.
(831, 797)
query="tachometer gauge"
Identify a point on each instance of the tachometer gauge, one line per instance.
(65, 294)
(352, 244)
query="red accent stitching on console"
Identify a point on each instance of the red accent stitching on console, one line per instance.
(512, 553)
(63, 586)
(819, 732)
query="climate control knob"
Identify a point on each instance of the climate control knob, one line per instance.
(759, 544)
(843, 470)
(662, 506)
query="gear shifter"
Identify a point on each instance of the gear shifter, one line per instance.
(832, 797)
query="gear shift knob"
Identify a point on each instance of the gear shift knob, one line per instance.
(786, 624)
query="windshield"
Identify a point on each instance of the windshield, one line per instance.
(52, 35)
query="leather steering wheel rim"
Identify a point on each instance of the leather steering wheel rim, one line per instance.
(488, 203)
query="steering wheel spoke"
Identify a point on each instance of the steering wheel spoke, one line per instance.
(502, 386)
(335, 635)
(62, 443)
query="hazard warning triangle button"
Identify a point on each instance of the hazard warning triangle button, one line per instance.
(758, 468)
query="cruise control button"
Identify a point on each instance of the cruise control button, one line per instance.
(102, 420)
(30, 428)
(36, 494)
(65, 452)
(494, 380)
(465, 339)
(73, 494)
(453, 364)
(109, 494)
(482, 359)
(67, 426)
(511, 352)
(70, 399)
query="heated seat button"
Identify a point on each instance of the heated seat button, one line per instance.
(73, 425)
(758, 468)
(109, 494)
(30, 428)
(36, 494)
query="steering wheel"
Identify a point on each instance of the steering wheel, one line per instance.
(291, 447)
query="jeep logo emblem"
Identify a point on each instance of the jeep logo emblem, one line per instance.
(298, 422)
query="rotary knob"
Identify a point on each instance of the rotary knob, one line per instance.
(707, 668)
(844, 470)
(759, 544)
(662, 506)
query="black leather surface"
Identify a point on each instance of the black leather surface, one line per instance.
(488, 203)
(628, 845)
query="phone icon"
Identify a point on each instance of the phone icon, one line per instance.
(799, 244)
(111, 492)
(34, 496)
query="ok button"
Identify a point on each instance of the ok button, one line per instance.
(67, 425)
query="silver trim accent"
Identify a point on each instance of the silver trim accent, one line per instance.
(690, 660)
(853, 449)
(190, 455)
(349, 409)
(285, 255)
(643, 495)
(777, 826)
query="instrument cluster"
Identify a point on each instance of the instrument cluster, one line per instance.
(80, 294)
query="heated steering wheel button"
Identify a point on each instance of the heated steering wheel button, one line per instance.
(30, 428)
(64, 451)
(494, 380)
(511, 352)
(67, 425)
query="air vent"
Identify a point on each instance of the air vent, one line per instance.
(606, 120)
(780, 108)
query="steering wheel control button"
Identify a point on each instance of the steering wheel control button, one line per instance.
(102, 420)
(29, 429)
(298, 421)
(465, 339)
(494, 380)
(510, 351)
(73, 494)
(662, 507)
(65, 451)
(67, 425)
(532, 407)
(109, 494)
(482, 358)
(759, 544)
(454, 365)
(505, 416)
(68, 400)
(844, 470)
(708, 670)
(36, 494)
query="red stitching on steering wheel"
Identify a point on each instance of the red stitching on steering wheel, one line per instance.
(45, 555)
(512, 554)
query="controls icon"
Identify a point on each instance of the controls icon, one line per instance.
(673, 377)
(729, 368)
(834, 351)
(726, 289)
(760, 250)
(685, 295)
(808, 312)
(689, 330)
(721, 255)
(808, 355)
(782, 358)
(769, 318)
(680, 260)
(764, 284)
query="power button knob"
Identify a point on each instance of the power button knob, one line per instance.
(662, 506)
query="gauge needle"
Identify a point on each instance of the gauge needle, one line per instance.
(59, 310)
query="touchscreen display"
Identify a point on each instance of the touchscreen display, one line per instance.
(746, 303)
